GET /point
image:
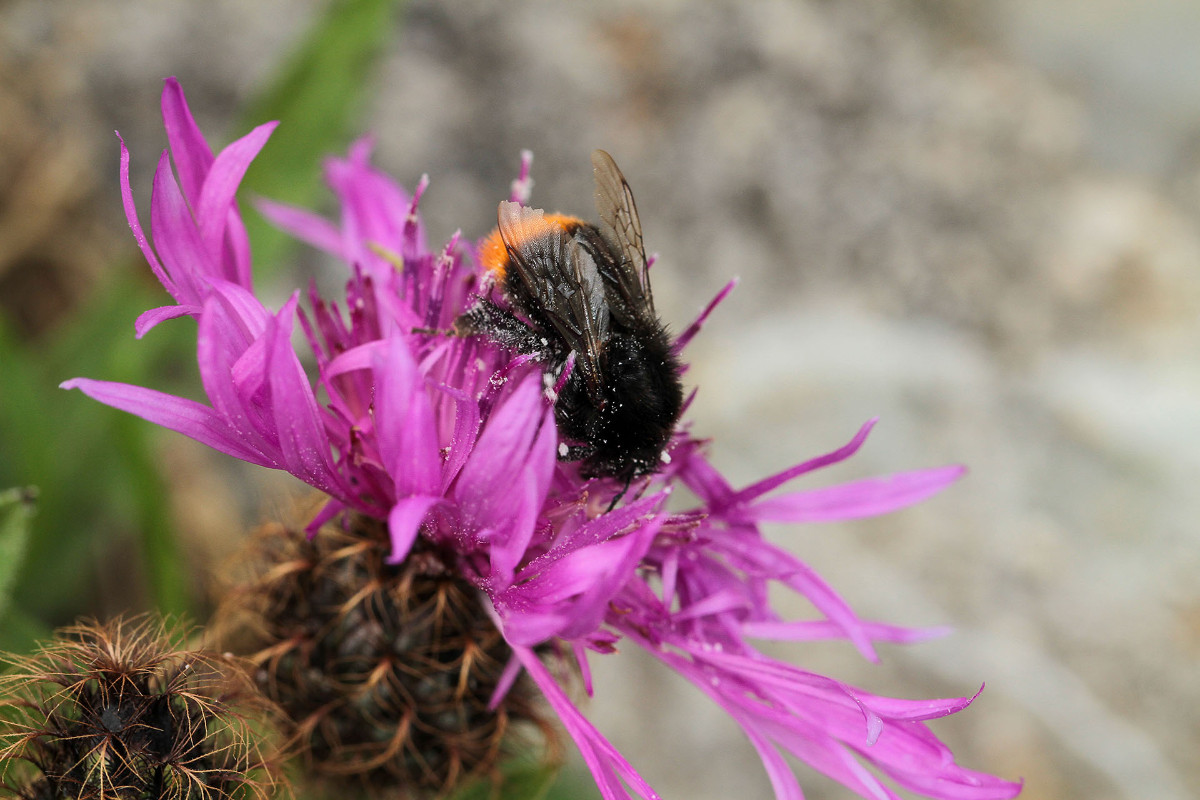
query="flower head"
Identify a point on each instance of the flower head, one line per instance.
(452, 441)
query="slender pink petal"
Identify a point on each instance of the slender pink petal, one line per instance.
(365, 356)
(501, 457)
(176, 238)
(304, 225)
(189, 150)
(246, 311)
(691, 330)
(760, 488)
(236, 256)
(147, 320)
(188, 417)
(404, 523)
(408, 441)
(467, 424)
(136, 226)
(600, 529)
(512, 671)
(865, 498)
(220, 349)
(510, 542)
(302, 439)
(703, 479)
(817, 630)
(220, 186)
(608, 767)
(330, 511)
(768, 560)
(585, 669)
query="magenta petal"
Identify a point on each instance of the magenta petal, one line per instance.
(703, 479)
(963, 785)
(329, 511)
(760, 488)
(512, 671)
(176, 238)
(136, 226)
(817, 630)
(865, 498)
(148, 319)
(770, 725)
(592, 605)
(221, 184)
(189, 150)
(185, 416)
(220, 350)
(302, 439)
(404, 425)
(569, 598)
(591, 568)
(304, 225)
(691, 330)
(502, 457)
(607, 766)
(762, 558)
(245, 312)
(916, 710)
(467, 422)
(782, 777)
(237, 249)
(599, 529)
(820, 721)
(374, 209)
(404, 523)
(508, 546)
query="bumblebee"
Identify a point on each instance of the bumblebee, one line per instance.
(570, 287)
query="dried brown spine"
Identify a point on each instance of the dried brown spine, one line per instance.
(386, 670)
(122, 710)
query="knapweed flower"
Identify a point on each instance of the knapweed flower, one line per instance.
(124, 710)
(451, 442)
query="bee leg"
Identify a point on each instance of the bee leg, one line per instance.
(617, 498)
(501, 326)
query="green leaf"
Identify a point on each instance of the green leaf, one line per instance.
(93, 484)
(573, 784)
(16, 512)
(169, 581)
(22, 633)
(318, 96)
(523, 782)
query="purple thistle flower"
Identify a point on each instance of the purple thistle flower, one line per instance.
(453, 439)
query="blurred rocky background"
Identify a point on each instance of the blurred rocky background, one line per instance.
(975, 220)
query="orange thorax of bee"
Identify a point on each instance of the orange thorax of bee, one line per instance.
(493, 255)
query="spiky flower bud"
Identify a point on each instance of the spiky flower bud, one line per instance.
(385, 670)
(123, 711)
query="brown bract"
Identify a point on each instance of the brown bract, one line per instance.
(385, 670)
(125, 710)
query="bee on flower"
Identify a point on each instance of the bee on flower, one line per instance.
(472, 427)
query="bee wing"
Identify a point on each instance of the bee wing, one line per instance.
(623, 229)
(563, 281)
